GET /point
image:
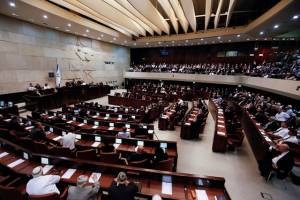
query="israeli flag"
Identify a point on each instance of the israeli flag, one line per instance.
(57, 76)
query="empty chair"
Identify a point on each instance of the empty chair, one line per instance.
(141, 163)
(27, 143)
(111, 157)
(52, 196)
(90, 154)
(165, 165)
(41, 147)
(61, 151)
(10, 193)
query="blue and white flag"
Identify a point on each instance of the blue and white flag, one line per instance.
(57, 76)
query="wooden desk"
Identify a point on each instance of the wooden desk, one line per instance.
(6, 110)
(137, 103)
(150, 180)
(220, 133)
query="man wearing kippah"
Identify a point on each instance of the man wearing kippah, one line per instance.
(122, 189)
(84, 190)
(42, 184)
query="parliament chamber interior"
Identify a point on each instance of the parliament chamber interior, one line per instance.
(149, 99)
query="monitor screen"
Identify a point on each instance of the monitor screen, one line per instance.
(120, 116)
(97, 138)
(45, 161)
(51, 129)
(85, 121)
(78, 136)
(163, 145)
(74, 119)
(118, 141)
(96, 123)
(127, 125)
(25, 155)
(107, 115)
(140, 143)
(111, 124)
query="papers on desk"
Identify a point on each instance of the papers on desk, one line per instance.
(47, 168)
(3, 154)
(7, 120)
(111, 128)
(57, 138)
(98, 175)
(15, 163)
(201, 195)
(105, 117)
(94, 127)
(257, 124)
(119, 118)
(188, 124)
(116, 145)
(95, 116)
(50, 117)
(81, 124)
(69, 122)
(95, 144)
(164, 117)
(221, 133)
(166, 188)
(221, 126)
(220, 121)
(69, 173)
(268, 139)
(29, 127)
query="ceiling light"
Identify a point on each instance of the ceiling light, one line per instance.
(201, 39)
(186, 40)
(266, 39)
(56, 27)
(276, 26)
(295, 16)
(172, 41)
(68, 30)
(134, 44)
(45, 16)
(238, 35)
(69, 25)
(248, 39)
(219, 38)
(229, 40)
(256, 39)
(115, 38)
(101, 35)
(261, 33)
(159, 42)
(12, 4)
(147, 43)
(87, 30)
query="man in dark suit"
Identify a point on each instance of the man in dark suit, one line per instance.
(15, 127)
(279, 159)
(38, 133)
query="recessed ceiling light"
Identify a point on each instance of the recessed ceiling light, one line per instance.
(186, 40)
(115, 38)
(134, 44)
(172, 41)
(101, 35)
(201, 39)
(69, 25)
(238, 35)
(256, 39)
(167, 45)
(295, 16)
(45, 16)
(261, 33)
(276, 26)
(87, 30)
(147, 43)
(266, 39)
(68, 30)
(56, 27)
(12, 4)
(159, 42)
(229, 40)
(248, 39)
(219, 37)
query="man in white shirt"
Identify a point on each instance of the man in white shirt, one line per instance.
(68, 140)
(282, 116)
(281, 132)
(42, 184)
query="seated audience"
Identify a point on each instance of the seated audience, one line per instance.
(42, 184)
(281, 132)
(122, 189)
(15, 127)
(84, 190)
(31, 87)
(139, 155)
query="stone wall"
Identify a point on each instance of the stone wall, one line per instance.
(29, 52)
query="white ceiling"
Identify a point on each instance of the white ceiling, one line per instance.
(152, 23)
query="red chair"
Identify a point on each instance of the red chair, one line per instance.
(90, 154)
(165, 165)
(52, 196)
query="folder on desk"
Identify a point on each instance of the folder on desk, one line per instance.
(201, 195)
(3, 154)
(98, 175)
(69, 173)
(15, 163)
(57, 138)
(166, 187)
(95, 144)
(47, 168)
